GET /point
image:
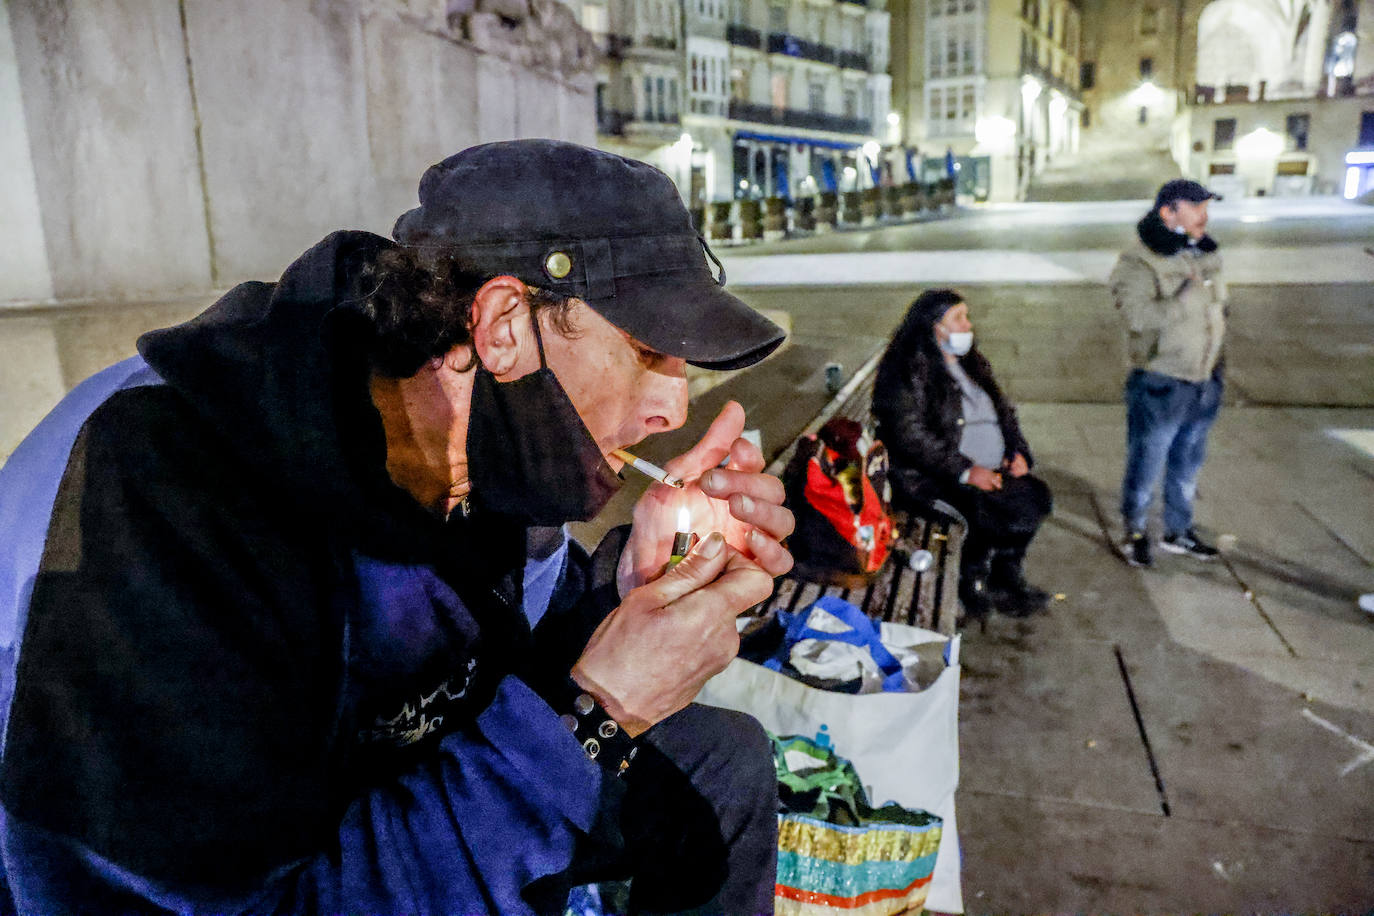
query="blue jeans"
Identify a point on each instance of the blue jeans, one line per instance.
(1167, 420)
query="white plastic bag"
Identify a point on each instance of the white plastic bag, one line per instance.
(904, 745)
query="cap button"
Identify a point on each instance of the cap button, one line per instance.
(558, 265)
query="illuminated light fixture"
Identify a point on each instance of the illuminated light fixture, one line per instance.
(872, 149)
(1058, 105)
(1260, 143)
(1352, 182)
(743, 185)
(1343, 55)
(1360, 157)
(1147, 94)
(1030, 89)
(849, 171)
(994, 131)
(893, 118)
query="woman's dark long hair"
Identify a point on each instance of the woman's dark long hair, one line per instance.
(917, 330)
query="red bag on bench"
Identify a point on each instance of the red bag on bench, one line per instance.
(837, 488)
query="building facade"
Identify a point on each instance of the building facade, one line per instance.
(746, 98)
(988, 88)
(1254, 97)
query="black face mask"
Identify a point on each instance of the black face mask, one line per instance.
(529, 453)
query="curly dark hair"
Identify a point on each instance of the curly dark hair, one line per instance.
(420, 307)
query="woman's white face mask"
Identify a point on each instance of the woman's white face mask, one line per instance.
(957, 342)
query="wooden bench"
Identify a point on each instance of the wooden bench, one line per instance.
(928, 598)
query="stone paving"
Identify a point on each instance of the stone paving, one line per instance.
(1239, 694)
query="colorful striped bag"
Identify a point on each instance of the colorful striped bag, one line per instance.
(835, 851)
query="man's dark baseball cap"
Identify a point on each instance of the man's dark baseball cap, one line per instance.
(1183, 189)
(581, 222)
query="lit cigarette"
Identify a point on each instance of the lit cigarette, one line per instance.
(682, 538)
(644, 467)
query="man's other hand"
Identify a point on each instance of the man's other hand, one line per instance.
(738, 500)
(985, 479)
(651, 655)
(1018, 466)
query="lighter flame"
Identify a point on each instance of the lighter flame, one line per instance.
(684, 519)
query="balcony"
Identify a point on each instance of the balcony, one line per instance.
(620, 123)
(612, 123)
(792, 46)
(853, 60)
(791, 117)
(1031, 67)
(618, 46)
(743, 36)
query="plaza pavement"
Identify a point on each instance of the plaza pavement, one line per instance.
(1252, 677)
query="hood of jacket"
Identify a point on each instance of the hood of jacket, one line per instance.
(280, 373)
(1162, 240)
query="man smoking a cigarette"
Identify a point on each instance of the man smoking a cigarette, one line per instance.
(304, 633)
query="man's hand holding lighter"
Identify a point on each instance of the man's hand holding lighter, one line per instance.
(675, 627)
(738, 500)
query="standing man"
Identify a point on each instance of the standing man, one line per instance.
(1169, 291)
(290, 621)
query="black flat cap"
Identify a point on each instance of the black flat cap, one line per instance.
(582, 222)
(1182, 189)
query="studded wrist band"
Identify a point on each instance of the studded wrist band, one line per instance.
(601, 737)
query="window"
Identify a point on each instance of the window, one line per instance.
(739, 84)
(1149, 20)
(594, 18)
(648, 108)
(662, 106)
(777, 17)
(815, 97)
(1223, 134)
(851, 103)
(1366, 130)
(1144, 116)
(1147, 67)
(1298, 125)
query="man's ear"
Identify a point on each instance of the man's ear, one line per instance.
(500, 324)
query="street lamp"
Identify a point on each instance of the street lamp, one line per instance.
(1261, 143)
(994, 132)
(1147, 94)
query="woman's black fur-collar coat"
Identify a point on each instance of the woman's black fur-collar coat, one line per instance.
(918, 411)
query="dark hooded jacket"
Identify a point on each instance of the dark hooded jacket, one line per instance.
(918, 410)
(254, 675)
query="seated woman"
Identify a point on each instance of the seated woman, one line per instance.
(952, 435)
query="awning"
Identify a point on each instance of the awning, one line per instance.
(807, 141)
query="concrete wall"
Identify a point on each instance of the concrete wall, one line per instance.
(111, 136)
(311, 116)
(151, 159)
